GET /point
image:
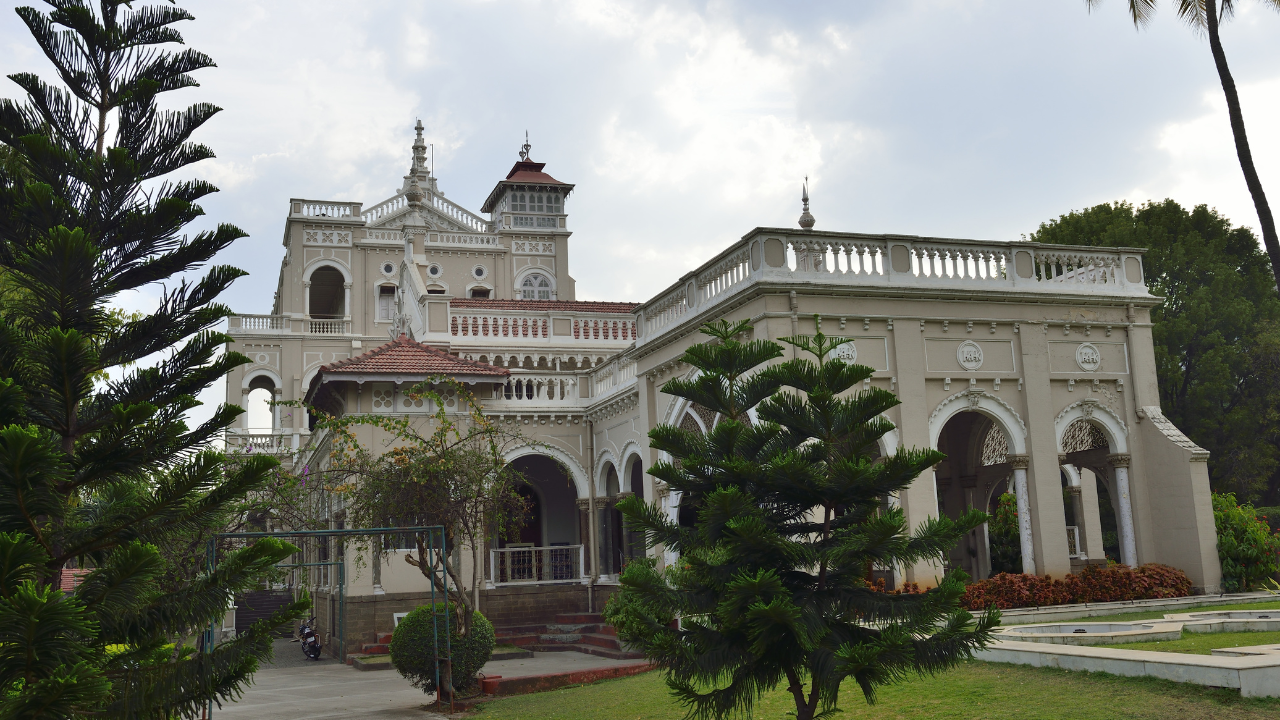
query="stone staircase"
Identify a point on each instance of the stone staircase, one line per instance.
(372, 656)
(577, 632)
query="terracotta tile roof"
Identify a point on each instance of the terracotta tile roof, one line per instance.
(524, 172)
(528, 171)
(71, 578)
(403, 356)
(620, 308)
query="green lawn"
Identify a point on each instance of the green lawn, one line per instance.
(973, 691)
(1159, 615)
(1202, 643)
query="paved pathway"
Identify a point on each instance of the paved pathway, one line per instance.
(294, 688)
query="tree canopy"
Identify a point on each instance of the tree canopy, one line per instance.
(1216, 335)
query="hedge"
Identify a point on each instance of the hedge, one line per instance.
(1094, 584)
(414, 655)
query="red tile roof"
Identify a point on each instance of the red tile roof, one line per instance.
(620, 308)
(524, 172)
(528, 171)
(71, 578)
(403, 356)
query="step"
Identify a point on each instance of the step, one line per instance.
(502, 630)
(560, 639)
(579, 618)
(498, 685)
(574, 628)
(521, 640)
(610, 653)
(373, 662)
(375, 649)
(384, 638)
(604, 641)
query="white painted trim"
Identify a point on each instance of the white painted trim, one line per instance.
(576, 472)
(1098, 415)
(983, 402)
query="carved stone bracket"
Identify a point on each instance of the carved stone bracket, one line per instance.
(1020, 462)
(1118, 460)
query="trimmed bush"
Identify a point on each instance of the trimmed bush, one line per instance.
(1094, 584)
(1247, 546)
(414, 655)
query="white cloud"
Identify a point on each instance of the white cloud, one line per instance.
(1202, 163)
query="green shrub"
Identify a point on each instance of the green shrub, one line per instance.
(1093, 584)
(1247, 546)
(414, 655)
(1006, 542)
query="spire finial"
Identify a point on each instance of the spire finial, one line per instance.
(524, 149)
(419, 151)
(806, 220)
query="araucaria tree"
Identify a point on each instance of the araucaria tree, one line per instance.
(773, 578)
(97, 466)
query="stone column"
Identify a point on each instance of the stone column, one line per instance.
(919, 500)
(1128, 546)
(306, 299)
(244, 403)
(276, 395)
(1077, 509)
(584, 532)
(1020, 464)
(627, 538)
(1090, 520)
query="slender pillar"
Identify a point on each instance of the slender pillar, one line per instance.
(1020, 463)
(1077, 509)
(1091, 520)
(306, 299)
(1128, 546)
(584, 529)
(244, 403)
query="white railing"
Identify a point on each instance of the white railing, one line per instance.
(326, 327)
(533, 565)
(1073, 542)
(462, 239)
(385, 235)
(465, 322)
(459, 214)
(615, 374)
(258, 322)
(895, 261)
(385, 209)
(538, 388)
(272, 444)
(326, 209)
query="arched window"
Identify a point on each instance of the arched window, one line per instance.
(535, 287)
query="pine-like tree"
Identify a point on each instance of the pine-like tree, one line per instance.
(97, 466)
(772, 581)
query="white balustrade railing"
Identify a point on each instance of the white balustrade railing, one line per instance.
(258, 322)
(272, 444)
(326, 327)
(889, 260)
(533, 565)
(462, 239)
(616, 374)
(459, 214)
(538, 388)
(470, 323)
(393, 205)
(325, 209)
(385, 235)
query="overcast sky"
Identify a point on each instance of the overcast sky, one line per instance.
(686, 124)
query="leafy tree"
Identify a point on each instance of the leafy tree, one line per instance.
(1247, 546)
(1205, 15)
(1216, 335)
(98, 468)
(1006, 543)
(434, 472)
(419, 640)
(772, 582)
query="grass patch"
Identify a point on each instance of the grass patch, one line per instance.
(1158, 615)
(500, 649)
(974, 690)
(1202, 643)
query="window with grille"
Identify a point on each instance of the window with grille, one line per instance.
(535, 287)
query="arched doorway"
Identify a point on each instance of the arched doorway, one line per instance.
(975, 475)
(326, 296)
(260, 415)
(548, 548)
(1094, 526)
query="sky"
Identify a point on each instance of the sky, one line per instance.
(684, 125)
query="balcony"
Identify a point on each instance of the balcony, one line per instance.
(536, 565)
(285, 325)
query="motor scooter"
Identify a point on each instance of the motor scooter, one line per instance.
(310, 640)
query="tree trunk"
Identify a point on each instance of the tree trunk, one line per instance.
(1265, 219)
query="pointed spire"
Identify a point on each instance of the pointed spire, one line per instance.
(806, 220)
(419, 151)
(524, 149)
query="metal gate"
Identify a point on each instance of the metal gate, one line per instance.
(434, 541)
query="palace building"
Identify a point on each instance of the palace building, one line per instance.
(1031, 366)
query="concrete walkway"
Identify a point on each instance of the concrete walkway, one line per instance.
(294, 688)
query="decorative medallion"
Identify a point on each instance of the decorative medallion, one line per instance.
(969, 355)
(846, 352)
(1088, 357)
